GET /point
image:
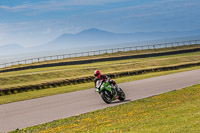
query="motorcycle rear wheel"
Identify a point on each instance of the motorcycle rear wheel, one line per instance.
(122, 95)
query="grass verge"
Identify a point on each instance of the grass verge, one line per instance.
(108, 55)
(65, 89)
(53, 74)
(176, 111)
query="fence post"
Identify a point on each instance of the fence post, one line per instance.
(154, 47)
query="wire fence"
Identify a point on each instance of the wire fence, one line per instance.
(99, 52)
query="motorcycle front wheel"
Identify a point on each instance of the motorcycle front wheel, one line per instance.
(106, 96)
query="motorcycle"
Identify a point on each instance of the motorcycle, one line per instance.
(109, 92)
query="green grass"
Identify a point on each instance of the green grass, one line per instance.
(176, 111)
(40, 75)
(116, 54)
(65, 89)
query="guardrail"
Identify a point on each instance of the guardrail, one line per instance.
(99, 52)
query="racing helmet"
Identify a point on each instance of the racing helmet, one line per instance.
(97, 73)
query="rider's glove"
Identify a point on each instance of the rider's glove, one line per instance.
(111, 81)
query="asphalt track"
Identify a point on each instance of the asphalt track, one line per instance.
(37, 111)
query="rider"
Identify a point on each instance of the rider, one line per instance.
(99, 76)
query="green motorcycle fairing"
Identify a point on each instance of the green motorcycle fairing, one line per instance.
(107, 86)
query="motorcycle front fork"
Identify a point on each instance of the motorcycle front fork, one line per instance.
(115, 90)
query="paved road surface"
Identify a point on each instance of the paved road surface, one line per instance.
(37, 111)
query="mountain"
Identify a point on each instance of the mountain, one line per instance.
(95, 37)
(90, 37)
(10, 49)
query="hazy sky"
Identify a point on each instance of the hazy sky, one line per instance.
(35, 22)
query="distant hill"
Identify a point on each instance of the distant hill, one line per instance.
(95, 37)
(90, 37)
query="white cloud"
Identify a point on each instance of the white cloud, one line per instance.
(91, 2)
(34, 33)
(47, 31)
(15, 8)
(57, 5)
(70, 29)
(149, 9)
(64, 4)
